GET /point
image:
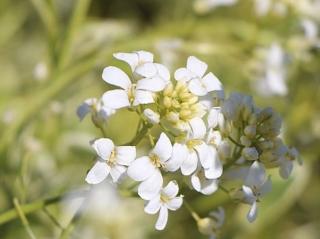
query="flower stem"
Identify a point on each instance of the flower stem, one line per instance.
(192, 212)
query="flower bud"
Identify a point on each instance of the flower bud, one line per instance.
(250, 131)
(245, 141)
(152, 117)
(206, 225)
(250, 153)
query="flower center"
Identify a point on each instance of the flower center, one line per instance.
(155, 160)
(193, 143)
(111, 161)
(179, 100)
(164, 198)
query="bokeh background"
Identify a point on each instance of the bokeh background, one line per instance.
(52, 53)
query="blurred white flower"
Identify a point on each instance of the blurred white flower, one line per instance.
(40, 71)
(111, 160)
(146, 169)
(168, 50)
(165, 200)
(210, 225)
(198, 83)
(203, 6)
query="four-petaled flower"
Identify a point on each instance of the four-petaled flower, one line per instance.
(111, 160)
(165, 200)
(146, 169)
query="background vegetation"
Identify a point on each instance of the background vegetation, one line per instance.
(52, 53)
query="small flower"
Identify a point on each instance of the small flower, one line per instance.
(166, 199)
(146, 169)
(135, 59)
(99, 112)
(193, 74)
(202, 184)
(256, 186)
(210, 225)
(111, 160)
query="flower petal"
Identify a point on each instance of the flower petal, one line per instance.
(145, 56)
(175, 203)
(163, 72)
(154, 84)
(125, 154)
(171, 190)
(143, 97)
(153, 206)
(252, 214)
(103, 147)
(149, 188)
(256, 175)
(196, 66)
(198, 128)
(141, 169)
(116, 172)
(196, 87)
(189, 164)
(213, 117)
(98, 173)
(162, 219)
(85, 107)
(249, 197)
(203, 155)
(195, 181)
(116, 99)
(285, 168)
(209, 186)
(215, 170)
(117, 77)
(211, 82)
(130, 58)
(179, 153)
(163, 148)
(146, 70)
(182, 74)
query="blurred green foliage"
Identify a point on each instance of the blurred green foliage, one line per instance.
(52, 53)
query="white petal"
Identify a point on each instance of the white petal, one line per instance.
(125, 154)
(182, 74)
(162, 219)
(249, 197)
(285, 168)
(195, 181)
(116, 99)
(149, 188)
(103, 147)
(179, 153)
(213, 117)
(209, 186)
(163, 72)
(196, 66)
(117, 77)
(198, 128)
(146, 70)
(145, 56)
(130, 58)
(116, 172)
(171, 190)
(196, 87)
(266, 187)
(189, 164)
(141, 169)
(143, 97)
(215, 170)
(203, 154)
(211, 82)
(153, 206)
(163, 148)
(155, 84)
(256, 175)
(175, 203)
(98, 173)
(252, 214)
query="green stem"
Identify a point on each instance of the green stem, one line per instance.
(235, 142)
(23, 218)
(192, 212)
(35, 206)
(140, 135)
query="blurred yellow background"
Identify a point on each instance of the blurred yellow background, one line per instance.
(52, 53)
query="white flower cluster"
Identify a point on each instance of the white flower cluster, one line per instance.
(202, 134)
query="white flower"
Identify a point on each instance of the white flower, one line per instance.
(131, 94)
(203, 6)
(111, 160)
(193, 149)
(257, 184)
(210, 225)
(147, 168)
(166, 199)
(214, 140)
(215, 118)
(193, 74)
(100, 113)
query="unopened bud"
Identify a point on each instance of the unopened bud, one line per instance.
(152, 117)
(250, 153)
